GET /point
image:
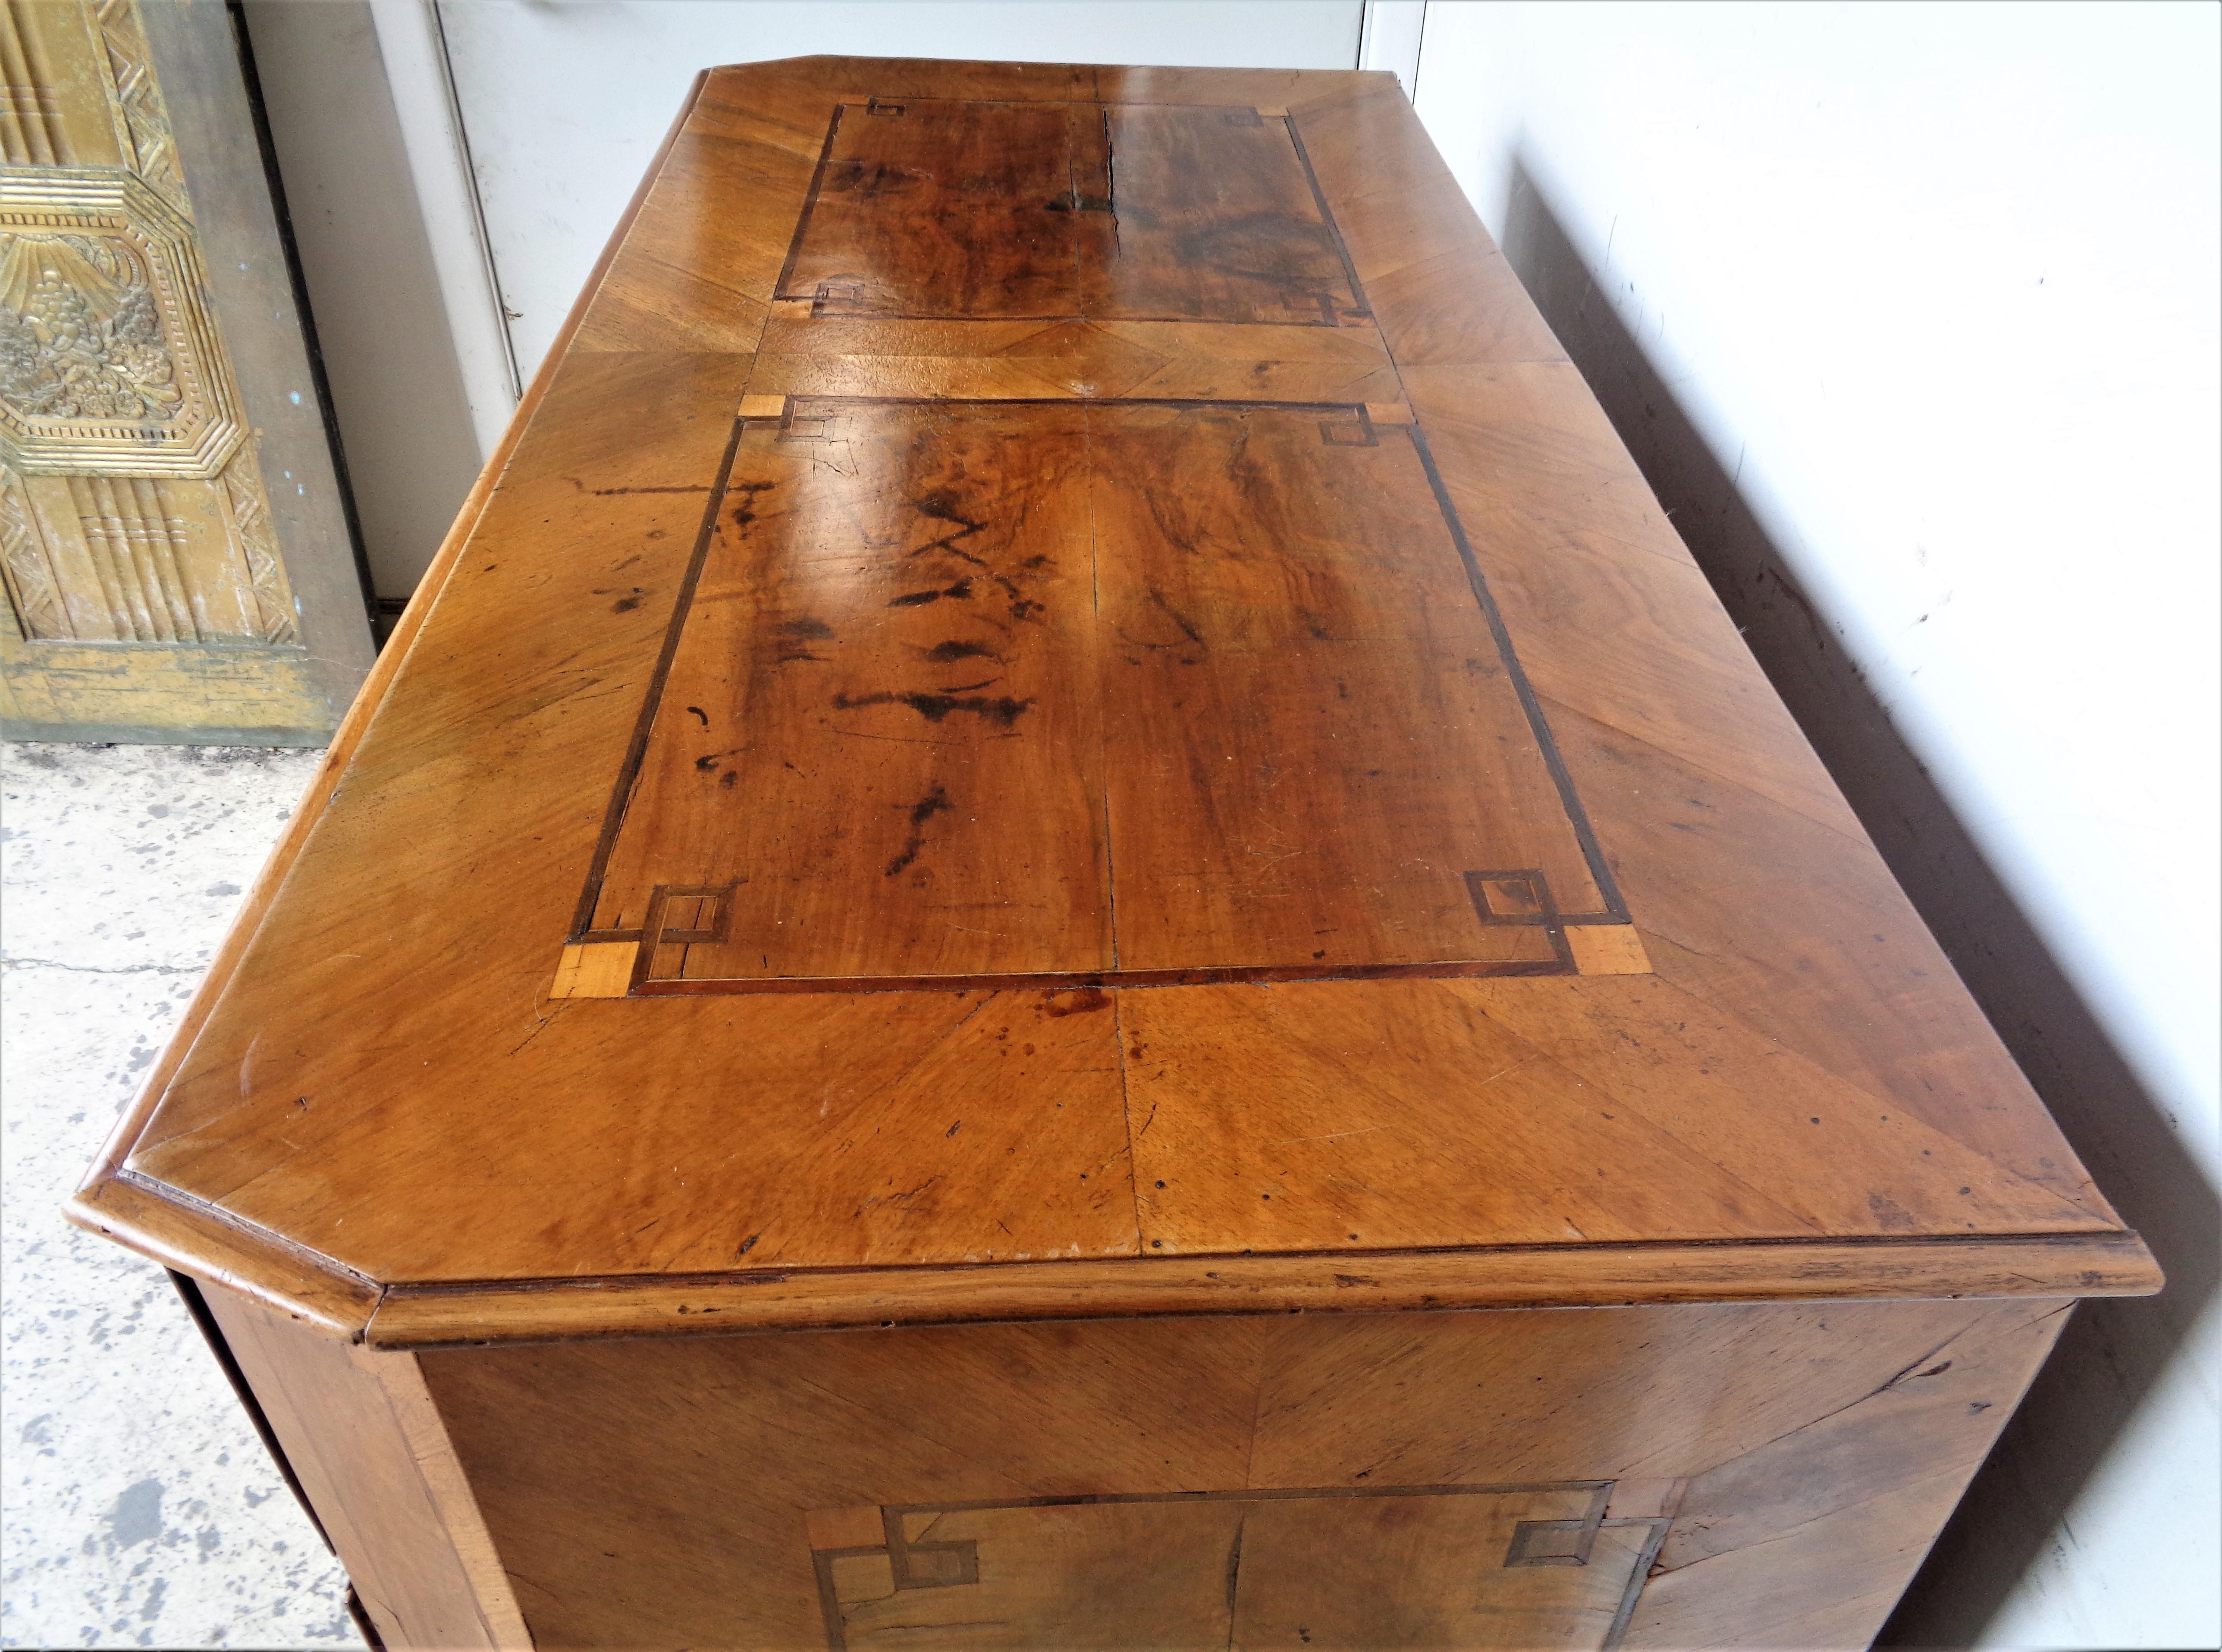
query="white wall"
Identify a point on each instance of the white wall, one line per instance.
(399, 390)
(1934, 288)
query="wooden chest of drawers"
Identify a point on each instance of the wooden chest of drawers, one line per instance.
(1065, 924)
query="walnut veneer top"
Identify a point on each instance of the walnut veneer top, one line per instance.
(1060, 703)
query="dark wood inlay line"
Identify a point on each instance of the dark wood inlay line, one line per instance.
(637, 748)
(813, 418)
(825, 301)
(1062, 981)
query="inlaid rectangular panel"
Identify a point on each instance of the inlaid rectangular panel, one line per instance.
(1443, 1567)
(944, 207)
(1068, 693)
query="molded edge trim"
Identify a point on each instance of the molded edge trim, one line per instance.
(215, 1247)
(423, 1317)
(205, 1241)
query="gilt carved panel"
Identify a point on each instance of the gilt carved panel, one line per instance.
(136, 511)
(109, 358)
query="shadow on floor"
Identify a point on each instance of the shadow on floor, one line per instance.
(2113, 1349)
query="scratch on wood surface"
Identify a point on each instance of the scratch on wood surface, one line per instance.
(1298, 1141)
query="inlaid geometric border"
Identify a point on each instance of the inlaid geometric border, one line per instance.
(615, 963)
(835, 1534)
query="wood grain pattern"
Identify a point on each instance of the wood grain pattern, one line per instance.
(1158, 1483)
(912, 589)
(347, 740)
(927, 207)
(1318, 738)
(1214, 218)
(805, 353)
(1526, 1566)
(1127, 636)
(516, 1101)
(1062, 749)
(256, 1263)
(360, 1432)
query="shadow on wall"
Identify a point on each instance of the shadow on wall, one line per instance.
(2113, 1349)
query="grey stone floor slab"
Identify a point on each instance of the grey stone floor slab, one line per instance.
(137, 1508)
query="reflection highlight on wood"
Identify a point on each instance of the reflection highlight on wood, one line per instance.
(624, 526)
(1133, 601)
(927, 207)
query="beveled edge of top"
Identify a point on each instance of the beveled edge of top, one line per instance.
(318, 1291)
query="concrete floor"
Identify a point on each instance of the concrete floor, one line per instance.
(138, 1508)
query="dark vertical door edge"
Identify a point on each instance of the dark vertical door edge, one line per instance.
(379, 624)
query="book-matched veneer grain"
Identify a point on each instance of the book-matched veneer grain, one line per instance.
(1063, 750)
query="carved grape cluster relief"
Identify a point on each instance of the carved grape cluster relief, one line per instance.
(79, 336)
(107, 354)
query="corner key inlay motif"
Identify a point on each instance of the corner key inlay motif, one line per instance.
(1140, 640)
(1325, 1566)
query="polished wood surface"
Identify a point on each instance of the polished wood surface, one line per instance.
(423, 1317)
(1051, 210)
(1134, 693)
(1763, 1475)
(366, 1446)
(1060, 697)
(1062, 750)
